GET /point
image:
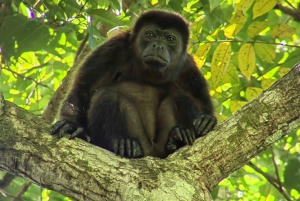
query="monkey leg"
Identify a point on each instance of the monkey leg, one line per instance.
(190, 121)
(166, 121)
(107, 125)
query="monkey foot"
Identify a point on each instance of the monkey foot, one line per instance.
(127, 147)
(64, 127)
(204, 124)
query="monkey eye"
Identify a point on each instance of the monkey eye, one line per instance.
(150, 34)
(171, 39)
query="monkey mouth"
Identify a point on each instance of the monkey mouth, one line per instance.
(155, 61)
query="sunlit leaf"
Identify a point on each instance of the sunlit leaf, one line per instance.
(283, 71)
(246, 59)
(253, 92)
(266, 83)
(201, 53)
(263, 6)
(220, 61)
(236, 24)
(256, 27)
(282, 31)
(242, 5)
(236, 105)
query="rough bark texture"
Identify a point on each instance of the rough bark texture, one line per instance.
(85, 172)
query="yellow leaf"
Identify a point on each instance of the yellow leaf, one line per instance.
(266, 52)
(196, 28)
(242, 5)
(282, 71)
(253, 92)
(201, 53)
(282, 31)
(220, 62)
(263, 6)
(236, 24)
(246, 60)
(256, 27)
(236, 105)
(266, 83)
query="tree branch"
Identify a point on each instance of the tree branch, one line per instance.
(86, 172)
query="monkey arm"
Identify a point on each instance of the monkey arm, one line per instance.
(99, 69)
(193, 82)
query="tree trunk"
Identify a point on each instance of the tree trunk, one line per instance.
(86, 172)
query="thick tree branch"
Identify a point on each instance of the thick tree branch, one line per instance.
(85, 172)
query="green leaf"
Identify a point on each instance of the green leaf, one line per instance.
(11, 27)
(266, 52)
(105, 17)
(214, 3)
(116, 4)
(292, 174)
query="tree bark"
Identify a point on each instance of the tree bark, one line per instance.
(85, 172)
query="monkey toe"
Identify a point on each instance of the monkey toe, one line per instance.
(80, 132)
(63, 127)
(57, 126)
(186, 135)
(128, 148)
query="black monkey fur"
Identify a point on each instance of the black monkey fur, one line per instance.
(140, 93)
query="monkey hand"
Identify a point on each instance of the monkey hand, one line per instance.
(64, 127)
(202, 126)
(127, 147)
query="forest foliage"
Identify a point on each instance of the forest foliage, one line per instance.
(242, 47)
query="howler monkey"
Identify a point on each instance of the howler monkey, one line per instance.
(140, 93)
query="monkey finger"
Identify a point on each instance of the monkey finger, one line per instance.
(210, 125)
(64, 130)
(121, 147)
(171, 145)
(184, 136)
(136, 150)
(197, 123)
(201, 123)
(79, 131)
(190, 135)
(87, 137)
(128, 148)
(177, 134)
(58, 125)
(116, 146)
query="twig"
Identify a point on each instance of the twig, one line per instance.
(22, 191)
(252, 42)
(272, 180)
(276, 168)
(28, 78)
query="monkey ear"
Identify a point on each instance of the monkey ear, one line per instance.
(117, 30)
